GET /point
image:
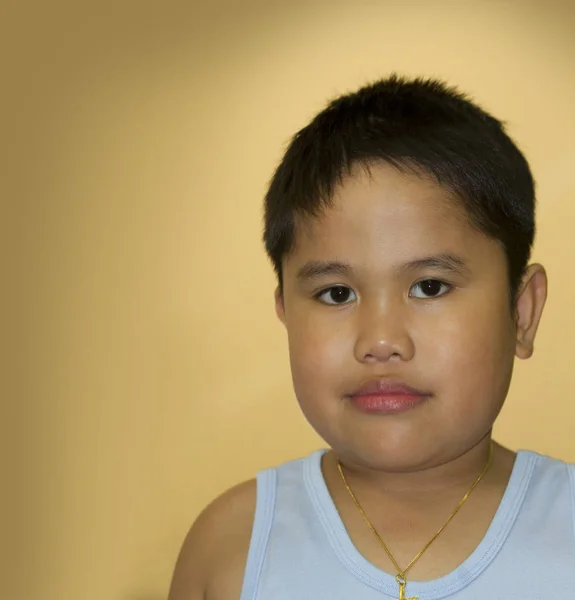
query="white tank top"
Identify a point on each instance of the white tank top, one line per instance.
(300, 549)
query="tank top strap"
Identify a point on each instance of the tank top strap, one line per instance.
(263, 520)
(571, 468)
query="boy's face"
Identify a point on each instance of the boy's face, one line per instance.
(393, 289)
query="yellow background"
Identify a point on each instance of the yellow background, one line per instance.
(144, 369)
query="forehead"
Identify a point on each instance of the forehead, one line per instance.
(389, 217)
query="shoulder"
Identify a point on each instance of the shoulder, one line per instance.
(213, 557)
(547, 462)
(571, 473)
(554, 476)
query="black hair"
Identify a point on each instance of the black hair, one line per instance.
(420, 125)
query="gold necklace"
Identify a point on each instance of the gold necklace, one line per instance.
(401, 573)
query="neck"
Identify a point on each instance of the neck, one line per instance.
(442, 479)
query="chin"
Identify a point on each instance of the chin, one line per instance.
(391, 453)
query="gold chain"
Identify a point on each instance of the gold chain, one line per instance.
(401, 573)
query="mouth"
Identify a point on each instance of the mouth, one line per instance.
(384, 396)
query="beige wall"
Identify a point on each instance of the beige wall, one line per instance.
(145, 370)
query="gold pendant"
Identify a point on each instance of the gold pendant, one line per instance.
(402, 585)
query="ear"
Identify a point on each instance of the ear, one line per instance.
(280, 308)
(529, 308)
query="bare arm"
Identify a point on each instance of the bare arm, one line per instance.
(212, 560)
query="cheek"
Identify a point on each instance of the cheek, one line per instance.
(474, 355)
(318, 353)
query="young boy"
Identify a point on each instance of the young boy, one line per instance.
(400, 223)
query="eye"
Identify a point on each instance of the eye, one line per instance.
(337, 294)
(429, 288)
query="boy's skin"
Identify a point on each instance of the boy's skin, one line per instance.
(410, 469)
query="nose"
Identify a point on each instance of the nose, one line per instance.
(383, 334)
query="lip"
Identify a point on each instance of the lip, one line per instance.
(385, 396)
(387, 387)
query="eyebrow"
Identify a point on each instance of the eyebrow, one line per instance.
(320, 268)
(445, 261)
